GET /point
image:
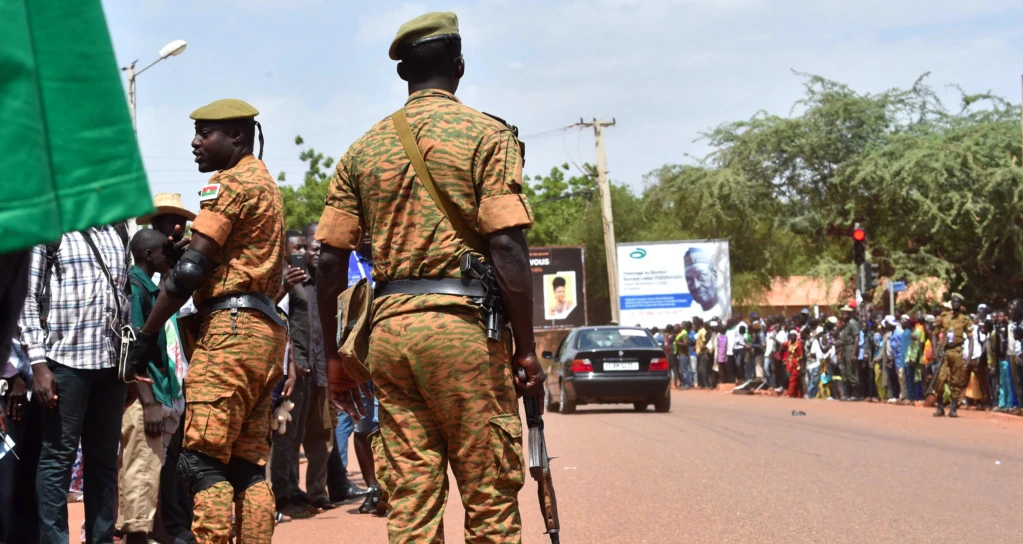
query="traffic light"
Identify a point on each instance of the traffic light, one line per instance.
(870, 272)
(859, 245)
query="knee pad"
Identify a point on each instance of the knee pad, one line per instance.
(199, 472)
(243, 474)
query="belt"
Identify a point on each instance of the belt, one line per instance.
(246, 301)
(463, 287)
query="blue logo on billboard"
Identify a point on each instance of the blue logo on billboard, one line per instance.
(638, 253)
(656, 302)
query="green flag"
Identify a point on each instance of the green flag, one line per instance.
(68, 154)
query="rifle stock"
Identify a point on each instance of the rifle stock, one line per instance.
(539, 466)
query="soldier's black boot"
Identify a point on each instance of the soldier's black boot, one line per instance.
(952, 408)
(940, 412)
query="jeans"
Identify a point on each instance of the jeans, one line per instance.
(813, 382)
(344, 430)
(89, 409)
(1006, 387)
(685, 370)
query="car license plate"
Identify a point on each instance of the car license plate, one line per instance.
(622, 366)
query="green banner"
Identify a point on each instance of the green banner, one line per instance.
(68, 154)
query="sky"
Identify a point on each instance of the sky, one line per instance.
(664, 70)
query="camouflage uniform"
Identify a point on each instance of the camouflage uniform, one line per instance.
(237, 359)
(953, 370)
(445, 392)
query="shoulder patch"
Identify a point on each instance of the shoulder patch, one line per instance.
(209, 192)
(513, 128)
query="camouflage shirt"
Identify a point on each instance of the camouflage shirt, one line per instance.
(242, 210)
(473, 159)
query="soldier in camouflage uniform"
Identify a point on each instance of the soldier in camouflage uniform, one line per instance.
(952, 328)
(233, 265)
(446, 393)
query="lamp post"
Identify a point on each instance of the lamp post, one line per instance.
(172, 49)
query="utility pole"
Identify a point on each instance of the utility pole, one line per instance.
(610, 249)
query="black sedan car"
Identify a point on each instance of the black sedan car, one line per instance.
(607, 365)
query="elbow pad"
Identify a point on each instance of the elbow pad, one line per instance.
(192, 269)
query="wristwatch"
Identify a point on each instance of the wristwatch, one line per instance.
(4, 386)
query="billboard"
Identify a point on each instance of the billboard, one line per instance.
(559, 286)
(666, 283)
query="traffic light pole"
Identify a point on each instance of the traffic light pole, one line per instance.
(891, 298)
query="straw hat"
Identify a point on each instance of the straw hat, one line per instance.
(167, 204)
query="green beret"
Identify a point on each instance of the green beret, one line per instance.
(430, 25)
(224, 109)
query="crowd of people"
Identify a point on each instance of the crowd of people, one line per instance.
(963, 359)
(121, 456)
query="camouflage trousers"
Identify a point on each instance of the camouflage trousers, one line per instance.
(235, 366)
(446, 396)
(953, 373)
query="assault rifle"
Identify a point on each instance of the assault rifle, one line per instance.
(539, 465)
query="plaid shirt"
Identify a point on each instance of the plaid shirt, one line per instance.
(83, 324)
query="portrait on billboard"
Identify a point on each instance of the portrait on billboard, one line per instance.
(671, 282)
(702, 280)
(559, 294)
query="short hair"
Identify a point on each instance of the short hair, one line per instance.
(558, 282)
(289, 234)
(144, 239)
(430, 59)
(310, 230)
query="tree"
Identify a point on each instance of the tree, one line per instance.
(939, 192)
(304, 204)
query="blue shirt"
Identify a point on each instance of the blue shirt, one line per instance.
(861, 354)
(898, 349)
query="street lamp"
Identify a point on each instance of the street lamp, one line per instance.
(172, 49)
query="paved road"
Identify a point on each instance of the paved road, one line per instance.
(724, 468)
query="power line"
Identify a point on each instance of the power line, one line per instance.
(552, 132)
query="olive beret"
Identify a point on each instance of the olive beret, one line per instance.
(424, 27)
(224, 109)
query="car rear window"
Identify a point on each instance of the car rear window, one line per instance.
(615, 339)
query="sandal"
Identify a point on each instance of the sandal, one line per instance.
(281, 518)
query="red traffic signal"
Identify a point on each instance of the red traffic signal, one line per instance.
(859, 235)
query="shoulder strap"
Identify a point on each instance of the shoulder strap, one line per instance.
(106, 272)
(408, 141)
(49, 264)
(147, 301)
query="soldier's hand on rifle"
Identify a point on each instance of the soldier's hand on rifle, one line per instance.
(532, 386)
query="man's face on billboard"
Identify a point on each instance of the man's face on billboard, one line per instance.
(702, 280)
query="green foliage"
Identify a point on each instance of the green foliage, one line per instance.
(304, 204)
(939, 192)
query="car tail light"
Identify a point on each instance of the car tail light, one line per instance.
(582, 365)
(659, 364)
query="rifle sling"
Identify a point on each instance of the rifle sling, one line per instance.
(408, 141)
